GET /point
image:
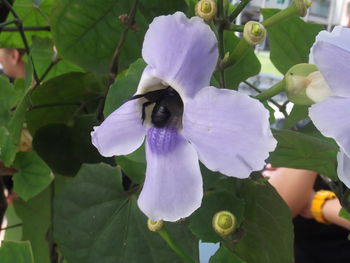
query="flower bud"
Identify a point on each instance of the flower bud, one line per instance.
(154, 225)
(305, 85)
(254, 32)
(25, 143)
(302, 6)
(206, 9)
(224, 223)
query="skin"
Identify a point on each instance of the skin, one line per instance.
(295, 186)
(11, 60)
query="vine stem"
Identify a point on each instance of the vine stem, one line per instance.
(19, 25)
(129, 23)
(284, 14)
(221, 41)
(269, 93)
(281, 108)
(238, 9)
(238, 53)
(14, 21)
(28, 28)
(12, 226)
(174, 246)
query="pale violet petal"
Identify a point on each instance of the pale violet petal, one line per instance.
(173, 186)
(343, 169)
(340, 36)
(181, 52)
(331, 117)
(333, 63)
(121, 132)
(229, 130)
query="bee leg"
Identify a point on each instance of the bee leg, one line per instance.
(146, 104)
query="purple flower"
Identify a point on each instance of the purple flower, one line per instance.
(331, 54)
(184, 120)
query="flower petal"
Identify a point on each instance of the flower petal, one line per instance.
(182, 52)
(333, 62)
(173, 185)
(331, 117)
(229, 130)
(122, 132)
(340, 36)
(344, 168)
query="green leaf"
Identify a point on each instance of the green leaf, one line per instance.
(223, 255)
(301, 151)
(96, 221)
(213, 202)
(31, 15)
(86, 33)
(153, 8)
(247, 66)
(43, 55)
(134, 165)
(124, 86)
(290, 40)
(33, 175)
(16, 252)
(7, 147)
(35, 215)
(65, 148)
(60, 99)
(267, 227)
(298, 113)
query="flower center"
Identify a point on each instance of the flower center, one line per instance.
(167, 103)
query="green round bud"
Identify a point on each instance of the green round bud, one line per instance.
(154, 225)
(224, 223)
(206, 9)
(302, 6)
(254, 32)
(298, 81)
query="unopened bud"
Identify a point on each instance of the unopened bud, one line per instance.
(254, 32)
(25, 143)
(154, 225)
(224, 223)
(305, 85)
(206, 9)
(302, 6)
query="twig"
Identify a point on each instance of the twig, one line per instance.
(26, 28)
(12, 226)
(129, 23)
(14, 21)
(6, 171)
(281, 108)
(47, 71)
(238, 9)
(3, 201)
(40, 106)
(19, 24)
(221, 43)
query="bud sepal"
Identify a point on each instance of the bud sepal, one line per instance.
(224, 223)
(206, 9)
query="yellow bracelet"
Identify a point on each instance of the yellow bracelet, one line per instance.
(318, 201)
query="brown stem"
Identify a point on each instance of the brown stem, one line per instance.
(26, 28)
(128, 25)
(3, 201)
(19, 24)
